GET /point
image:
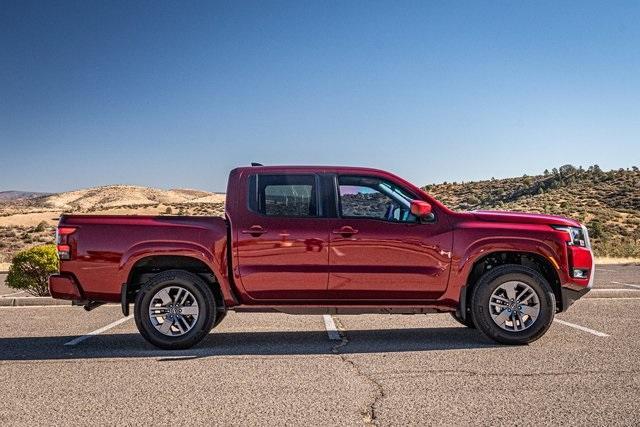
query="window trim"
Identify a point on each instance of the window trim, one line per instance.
(320, 209)
(329, 195)
(339, 201)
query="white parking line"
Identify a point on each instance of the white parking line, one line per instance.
(98, 331)
(582, 328)
(610, 290)
(331, 328)
(22, 307)
(627, 284)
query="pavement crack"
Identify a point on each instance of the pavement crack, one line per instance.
(368, 413)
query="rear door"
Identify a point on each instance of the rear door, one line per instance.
(379, 251)
(282, 240)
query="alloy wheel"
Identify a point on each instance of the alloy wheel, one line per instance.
(514, 306)
(173, 311)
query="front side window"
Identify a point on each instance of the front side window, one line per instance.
(284, 195)
(374, 198)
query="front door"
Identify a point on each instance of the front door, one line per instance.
(379, 251)
(282, 241)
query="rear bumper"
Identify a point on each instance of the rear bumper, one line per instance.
(64, 287)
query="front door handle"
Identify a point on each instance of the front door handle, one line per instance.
(346, 231)
(255, 231)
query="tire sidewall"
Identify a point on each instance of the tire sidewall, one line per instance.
(468, 322)
(200, 291)
(490, 281)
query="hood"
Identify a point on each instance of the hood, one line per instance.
(524, 218)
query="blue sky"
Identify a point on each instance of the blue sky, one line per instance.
(174, 94)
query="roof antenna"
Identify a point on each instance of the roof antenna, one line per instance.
(256, 164)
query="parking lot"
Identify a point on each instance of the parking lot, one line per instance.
(281, 369)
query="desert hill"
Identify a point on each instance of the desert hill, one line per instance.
(6, 196)
(29, 221)
(106, 198)
(608, 202)
(114, 196)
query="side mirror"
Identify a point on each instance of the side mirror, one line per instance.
(420, 208)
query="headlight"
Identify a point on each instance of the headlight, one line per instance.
(579, 235)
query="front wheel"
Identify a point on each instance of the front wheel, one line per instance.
(512, 304)
(468, 322)
(175, 310)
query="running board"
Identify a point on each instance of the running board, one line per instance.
(339, 310)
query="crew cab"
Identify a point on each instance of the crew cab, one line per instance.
(325, 240)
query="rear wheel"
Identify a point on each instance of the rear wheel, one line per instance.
(512, 304)
(175, 310)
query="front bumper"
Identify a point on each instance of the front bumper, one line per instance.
(569, 296)
(64, 287)
(572, 292)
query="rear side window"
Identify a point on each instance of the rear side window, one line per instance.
(284, 195)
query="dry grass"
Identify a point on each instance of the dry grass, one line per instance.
(17, 238)
(612, 260)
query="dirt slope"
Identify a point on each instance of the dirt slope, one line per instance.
(608, 202)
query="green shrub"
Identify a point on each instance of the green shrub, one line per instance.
(30, 269)
(596, 229)
(472, 200)
(42, 226)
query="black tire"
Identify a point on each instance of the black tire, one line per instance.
(200, 291)
(490, 281)
(219, 318)
(468, 322)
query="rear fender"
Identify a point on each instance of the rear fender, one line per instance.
(186, 249)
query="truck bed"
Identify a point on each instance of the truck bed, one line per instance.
(105, 248)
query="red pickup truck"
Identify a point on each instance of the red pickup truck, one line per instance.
(326, 240)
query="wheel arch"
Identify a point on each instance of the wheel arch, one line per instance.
(533, 260)
(143, 268)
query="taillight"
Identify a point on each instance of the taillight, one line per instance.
(62, 242)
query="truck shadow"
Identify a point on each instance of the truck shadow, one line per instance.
(217, 344)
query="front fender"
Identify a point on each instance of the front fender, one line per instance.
(462, 263)
(486, 246)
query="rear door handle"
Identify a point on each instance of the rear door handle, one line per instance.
(255, 231)
(346, 231)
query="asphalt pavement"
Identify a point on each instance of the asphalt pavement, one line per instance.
(283, 370)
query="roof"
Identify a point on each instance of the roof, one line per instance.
(311, 168)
